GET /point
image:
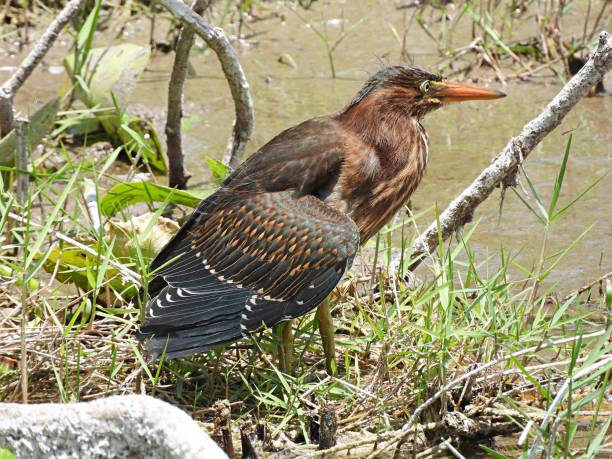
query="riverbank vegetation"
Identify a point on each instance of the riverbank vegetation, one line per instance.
(472, 352)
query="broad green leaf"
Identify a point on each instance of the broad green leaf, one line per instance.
(109, 77)
(125, 194)
(110, 70)
(218, 170)
(6, 454)
(73, 268)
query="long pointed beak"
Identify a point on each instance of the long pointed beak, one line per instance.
(458, 92)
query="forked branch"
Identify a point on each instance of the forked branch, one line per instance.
(178, 175)
(216, 39)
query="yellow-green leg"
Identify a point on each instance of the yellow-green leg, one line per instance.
(326, 329)
(283, 334)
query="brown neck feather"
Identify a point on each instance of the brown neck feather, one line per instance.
(382, 120)
(387, 160)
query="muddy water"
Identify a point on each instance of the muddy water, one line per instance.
(463, 138)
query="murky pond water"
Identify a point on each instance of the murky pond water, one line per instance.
(463, 138)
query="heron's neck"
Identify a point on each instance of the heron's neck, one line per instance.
(382, 167)
(384, 122)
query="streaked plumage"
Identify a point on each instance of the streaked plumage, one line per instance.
(273, 241)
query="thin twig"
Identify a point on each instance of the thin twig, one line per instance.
(178, 175)
(586, 287)
(42, 46)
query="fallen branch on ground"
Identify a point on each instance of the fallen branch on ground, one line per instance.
(216, 39)
(487, 422)
(461, 209)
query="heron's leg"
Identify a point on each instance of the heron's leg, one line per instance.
(283, 334)
(326, 329)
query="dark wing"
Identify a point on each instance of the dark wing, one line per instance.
(243, 263)
(306, 158)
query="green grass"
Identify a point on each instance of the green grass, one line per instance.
(481, 337)
(395, 348)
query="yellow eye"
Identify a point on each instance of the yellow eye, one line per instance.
(425, 87)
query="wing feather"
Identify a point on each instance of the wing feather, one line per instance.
(217, 291)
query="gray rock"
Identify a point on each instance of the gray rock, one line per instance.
(130, 426)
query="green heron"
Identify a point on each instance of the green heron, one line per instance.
(277, 236)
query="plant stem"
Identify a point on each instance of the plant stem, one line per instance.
(21, 162)
(330, 57)
(326, 329)
(540, 267)
(284, 336)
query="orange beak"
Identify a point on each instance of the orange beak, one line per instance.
(458, 92)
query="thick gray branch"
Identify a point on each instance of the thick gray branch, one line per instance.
(42, 46)
(121, 426)
(216, 39)
(462, 208)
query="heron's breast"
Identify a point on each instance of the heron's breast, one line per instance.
(391, 189)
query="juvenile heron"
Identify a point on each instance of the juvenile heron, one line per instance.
(274, 240)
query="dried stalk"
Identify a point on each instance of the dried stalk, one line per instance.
(42, 46)
(22, 198)
(461, 209)
(216, 39)
(90, 196)
(127, 273)
(407, 428)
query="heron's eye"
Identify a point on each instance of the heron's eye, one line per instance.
(424, 87)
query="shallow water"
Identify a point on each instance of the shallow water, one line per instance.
(463, 138)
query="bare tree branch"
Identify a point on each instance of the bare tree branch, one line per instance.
(120, 426)
(42, 46)
(178, 175)
(219, 43)
(461, 209)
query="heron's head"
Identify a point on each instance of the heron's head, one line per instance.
(415, 91)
